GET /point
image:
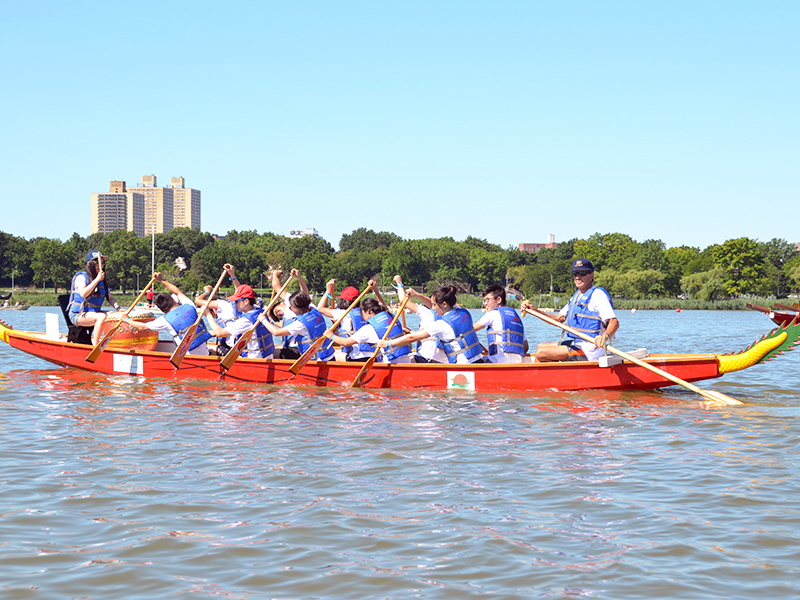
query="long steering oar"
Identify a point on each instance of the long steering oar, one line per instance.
(371, 361)
(314, 348)
(707, 394)
(101, 345)
(177, 356)
(235, 352)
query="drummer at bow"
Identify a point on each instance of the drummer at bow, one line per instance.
(87, 293)
(178, 317)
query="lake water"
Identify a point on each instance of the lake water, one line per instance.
(121, 487)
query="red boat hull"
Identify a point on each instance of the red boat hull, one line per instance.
(780, 318)
(481, 377)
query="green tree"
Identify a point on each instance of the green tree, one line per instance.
(128, 255)
(706, 286)
(777, 253)
(52, 262)
(607, 250)
(366, 240)
(744, 265)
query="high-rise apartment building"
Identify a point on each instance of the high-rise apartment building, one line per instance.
(158, 205)
(146, 208)
(118, 209)
(186, 204)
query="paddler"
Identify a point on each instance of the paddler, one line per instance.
(87, 293)
(247, 313)
(591, 311)
(302, 325)
(353, 321)
(446, 330)
(505, 334)
(375, 320)
(178, 317)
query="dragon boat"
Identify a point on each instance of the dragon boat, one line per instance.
(611, 372)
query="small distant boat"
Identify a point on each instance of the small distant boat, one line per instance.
(779, 318)
(20, 307)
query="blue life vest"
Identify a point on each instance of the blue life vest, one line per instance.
(466, 341)
(184, 316)
(380, 323)
(358, 323)
(315, 325)
(580, 317)
(93, 303)
(511, 338)
(262, 335)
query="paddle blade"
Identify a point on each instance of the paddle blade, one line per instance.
(718, 398)
(180, 352)
(363, 372)
(312, 350)
(99, 348)
(235, 352)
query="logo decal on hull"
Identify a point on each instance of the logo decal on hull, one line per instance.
(461, 380)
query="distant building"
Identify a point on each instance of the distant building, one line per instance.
(303, 233)
(186, 204)
(533, 248)
(146, 208)
(118, 209)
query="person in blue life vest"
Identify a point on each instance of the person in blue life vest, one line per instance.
(505, 334)
(246, 315)
(223, 310)
(375, 321)
(280, 307)
(88, 291)
(446, 330)
(353, 321)
(590, 311)
(302, 325)
(180, 313)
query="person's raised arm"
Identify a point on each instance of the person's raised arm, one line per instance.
(303, 286)
(171, 288)
(373, 285)
(229, 269)
(330, 288)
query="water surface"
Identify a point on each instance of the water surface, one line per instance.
(122, 487)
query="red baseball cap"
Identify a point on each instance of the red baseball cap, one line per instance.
(243, 291)
(349, 293)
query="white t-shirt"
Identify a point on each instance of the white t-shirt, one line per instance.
(492, 319)
(600, 304)
(438, 329)
(161, 324)
(236, 328)
(346, 329)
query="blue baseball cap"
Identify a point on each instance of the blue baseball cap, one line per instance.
(94, 254)
(582, 264)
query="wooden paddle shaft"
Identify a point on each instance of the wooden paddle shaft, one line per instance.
(619, 353)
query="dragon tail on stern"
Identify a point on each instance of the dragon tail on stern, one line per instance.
(779, 340)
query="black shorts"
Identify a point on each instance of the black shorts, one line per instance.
(575, 353)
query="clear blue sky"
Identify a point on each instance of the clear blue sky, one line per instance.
(507, 121)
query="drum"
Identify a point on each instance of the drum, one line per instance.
(131, 340)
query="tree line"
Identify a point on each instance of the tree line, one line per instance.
(626, 267)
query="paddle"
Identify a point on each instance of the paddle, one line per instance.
(371, 361)
(177, 356)
(313, 348)
(785, 307)
(707, 394)
(235, 352)
(759, 308)
(101, 345)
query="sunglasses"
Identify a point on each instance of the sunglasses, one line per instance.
(580, 273)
